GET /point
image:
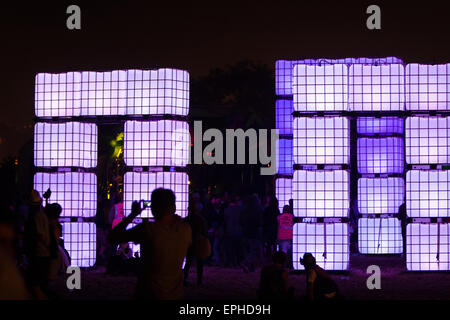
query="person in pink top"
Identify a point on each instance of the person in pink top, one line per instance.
(285, 232)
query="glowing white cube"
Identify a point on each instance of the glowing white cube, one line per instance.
(320, 87)
(319, 193)
(112, 93)
(140, 185)
(381, 126)
(427, 87)
(427, 247)
(380, 155)
(427, 140)
(80, 240)
(380, 236)
(57, 95)
(321, 140)
(284, 157)
(328, 243)
(427, 193)
(376, 87)
(283, 191)
(156, 143)
(76, 192)
(283, 117)
(69, 144)
(380, 195)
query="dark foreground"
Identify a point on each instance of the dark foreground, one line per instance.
(231, 284)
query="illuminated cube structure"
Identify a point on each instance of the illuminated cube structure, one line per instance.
(65, 151)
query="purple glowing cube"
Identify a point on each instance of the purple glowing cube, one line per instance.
(80, 240)
(284, 157)
(321, 193)
(380, 126)
(328, 242)
(283, 191)
(76, 192)
(380, 236)
(380, 195)
(427, 140)
(140, 185)
(427, 87)
(156, 143)
(427, 247)
(380, 155)
(69, 144)
(321, 140)
(283, 117)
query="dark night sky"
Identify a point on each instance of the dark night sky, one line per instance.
(198, 36)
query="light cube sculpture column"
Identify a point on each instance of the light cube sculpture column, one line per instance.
(321, 181)
(428, 157)
(65, 151)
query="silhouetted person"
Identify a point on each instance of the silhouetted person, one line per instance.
(270, 225)
(274, 282)
(164, 245)
(233, 232)
(319, 285)
(199, 228)
(251, 222)
(403, 217)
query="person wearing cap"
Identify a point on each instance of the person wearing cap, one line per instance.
(319, 284)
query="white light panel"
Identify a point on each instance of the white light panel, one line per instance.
(119, 92)
(76, 192)
(284, 69)
(380, 155)
(427, 193)
(321, 140)
(80, 242)
(427, 140)
(380, 126)
(427, 87)
(283, 117)
(284, 157)
(428, 247)
(283, 191)
(319, 193)
(156, 143)
(320, 87)
(328, 243)
(380, 236)
(380, 195)
(70, 144)
(140, 185)
(376, 87)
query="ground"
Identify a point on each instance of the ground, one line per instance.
(232, 284)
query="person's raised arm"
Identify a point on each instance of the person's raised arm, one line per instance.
(119, 234)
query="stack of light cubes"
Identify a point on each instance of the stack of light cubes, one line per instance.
(427, 157)
(152, 104)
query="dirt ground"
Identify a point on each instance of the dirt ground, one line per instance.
(233, 284)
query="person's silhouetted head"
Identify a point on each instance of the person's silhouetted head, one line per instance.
(162, 202)
(279, 257)
(308, 260)
(53, 210)
(287, 209)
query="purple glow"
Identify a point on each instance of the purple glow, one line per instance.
(119, 92)
(140, 185)
(381, 126)
(80, 240)
(284, 69)
(329, 244)
(427, 193)
(283, 117)
(320, 88)
(427, 87)
(76, 192)
(427, 140)
(427, 247)
(284, 157)
(321, 140)
(156, 143)
(283, 191)
(380, 155)
(319, 193)
(376, 88)
(380, 195)
(70, 144)
(380, 236)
